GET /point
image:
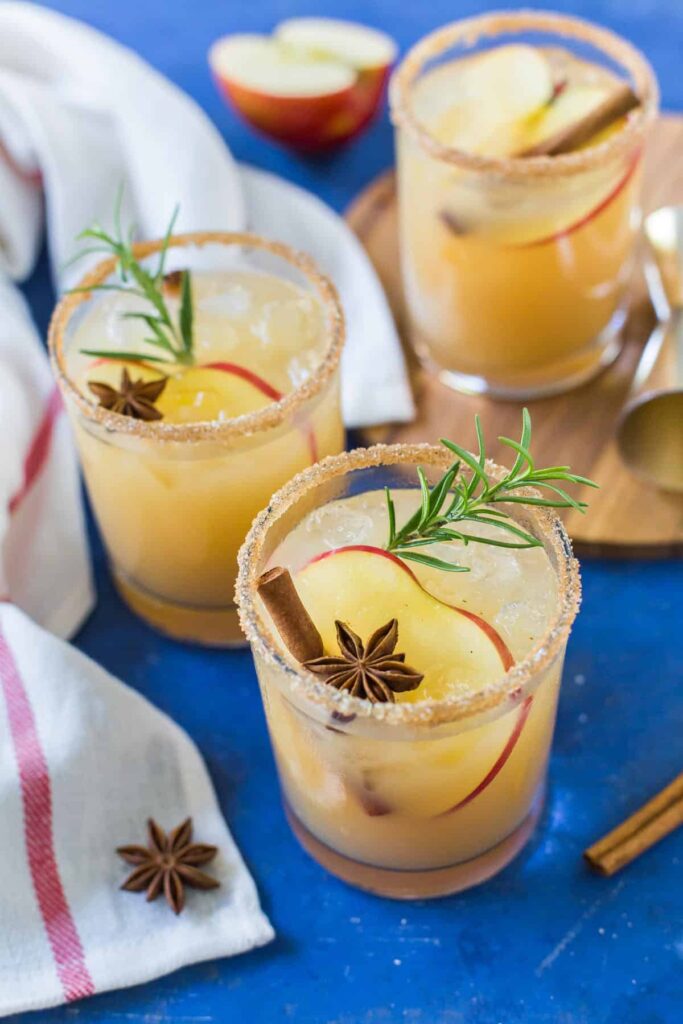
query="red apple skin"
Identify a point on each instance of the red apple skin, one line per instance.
(591, 215)
(310, 124)
(272, 393)
(500, 762)
(252, 378)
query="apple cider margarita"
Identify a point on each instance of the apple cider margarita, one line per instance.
(408, 609)
(519, 148)
(200, 373)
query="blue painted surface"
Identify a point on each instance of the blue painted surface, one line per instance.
(543, 942)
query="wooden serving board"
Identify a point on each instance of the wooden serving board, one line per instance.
(625, 518)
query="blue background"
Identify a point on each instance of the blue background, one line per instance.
(545, 941)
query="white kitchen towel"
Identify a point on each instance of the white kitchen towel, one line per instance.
(84, 761)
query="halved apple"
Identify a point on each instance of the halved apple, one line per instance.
(315, 83)
(365, 586)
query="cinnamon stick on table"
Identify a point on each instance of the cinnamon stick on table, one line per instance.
(296, 627)
(616, 105)
(652, 822)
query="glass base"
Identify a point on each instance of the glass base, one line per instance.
(212, 627)
(419, 885)
(550, 380)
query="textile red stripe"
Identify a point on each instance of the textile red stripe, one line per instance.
(40, 448)
(36, 793)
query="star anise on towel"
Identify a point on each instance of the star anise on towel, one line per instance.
(169, 863)
(372, 671)
(134, 398)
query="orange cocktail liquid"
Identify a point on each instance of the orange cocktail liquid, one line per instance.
(173, 514)
(416, 810)
(515, 284)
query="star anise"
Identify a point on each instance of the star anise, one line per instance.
(170, 862)
(371, 670)
(134, 398)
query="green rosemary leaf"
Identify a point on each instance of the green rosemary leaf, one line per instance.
(176, 339)
(155, 325)
(161, 268)
(507, 526)
(106, 288)
(186, 317)
(434, 563)
(523, 455)
(524, 442)
(473, 498)
(441, 489)
(518, 499)
(480, 441)
(424, 488)
(531, 543)
(469, 459)
(128, 357)
(391, 513)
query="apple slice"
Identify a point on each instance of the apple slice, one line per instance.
(479, 104)
(365, 586)
(315, 83)
(214, 391)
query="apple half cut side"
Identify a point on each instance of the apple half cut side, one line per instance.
(315, 83)
(240, 389)
(444, 641)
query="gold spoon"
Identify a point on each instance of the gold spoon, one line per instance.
(650, 429)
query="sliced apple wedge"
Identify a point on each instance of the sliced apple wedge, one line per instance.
(213, 391)
(315, 83)
(480, 104)
(365, 586)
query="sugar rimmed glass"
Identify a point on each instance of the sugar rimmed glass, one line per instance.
(516, 270)
(328, 745)
(174, 500)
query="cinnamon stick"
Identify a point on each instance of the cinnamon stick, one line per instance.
(296, 627)
(659, 816)
(616, 105)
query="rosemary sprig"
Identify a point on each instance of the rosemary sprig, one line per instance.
(462, 497)
(173, 339)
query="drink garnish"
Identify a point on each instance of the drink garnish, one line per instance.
(168, 863)
(458, 498)
(371, 671)
(171, 337)
(288, 612)
(618, 104)
(134, 398)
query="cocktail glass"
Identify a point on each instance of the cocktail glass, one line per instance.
(421, 797)
(174, 500)
(516, 269)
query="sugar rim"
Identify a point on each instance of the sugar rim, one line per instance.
(513, 684)
(469, 30)
(271, 415)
